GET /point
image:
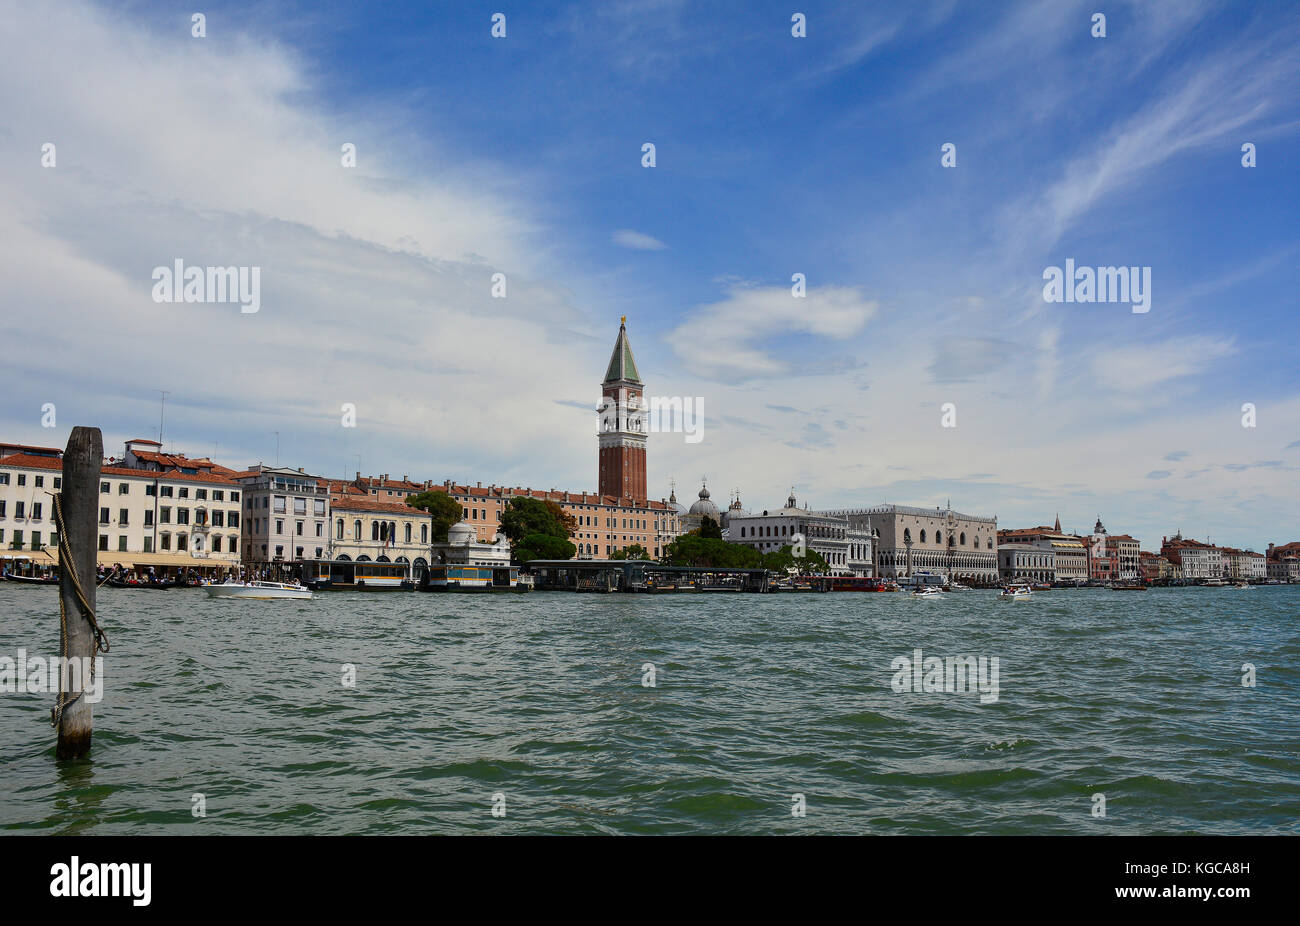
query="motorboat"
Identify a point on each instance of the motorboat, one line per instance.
(1016, 592)
(927, 591)
(258, 590)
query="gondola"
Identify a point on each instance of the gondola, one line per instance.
(33, 580)
(150, 586)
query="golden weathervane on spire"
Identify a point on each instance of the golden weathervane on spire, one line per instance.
(622, 319)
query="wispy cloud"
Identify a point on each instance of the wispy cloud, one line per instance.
(627, 238)
(727, 339)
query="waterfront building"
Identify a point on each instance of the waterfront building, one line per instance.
(1194, 559)
(1123, 552)
(463, 548)
(1030, 561)
(1071, 551)
(1154, 567)
(380, 487)
(1283, 562)
(1244, 565)
(186, 517)
(604, 524)
(861, 551)
(772, 529)
(369, 529)
(286, 515)
(911, 540)
(1102, 565)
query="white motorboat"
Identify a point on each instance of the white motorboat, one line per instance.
(927, 591)
(258, 590)
(1016, 592)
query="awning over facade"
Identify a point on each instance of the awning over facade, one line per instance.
(108, 558)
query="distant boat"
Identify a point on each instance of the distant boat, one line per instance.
(33, 580)
(258, 590)
(1216, 583)
(1129, 587)
(927, 591)
(1016, 592)
(147, 586)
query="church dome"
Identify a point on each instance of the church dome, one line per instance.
(461, 534)
(704, 507)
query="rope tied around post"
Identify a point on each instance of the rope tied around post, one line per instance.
(68, 565)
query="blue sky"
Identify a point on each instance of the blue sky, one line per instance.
(775, 155)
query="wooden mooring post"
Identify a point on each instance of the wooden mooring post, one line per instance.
(77, 532)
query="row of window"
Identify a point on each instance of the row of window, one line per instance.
(152, 489)
(219, 518)
(218, 544)
(299, 526)
(20, 538)
(22, 480)
(938, 538)
(381, 531)
(280, 505)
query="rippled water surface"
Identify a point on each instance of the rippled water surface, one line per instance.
(539, 697)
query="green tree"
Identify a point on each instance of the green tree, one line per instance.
(813, 563)
(709, 529)
(542, 546)
(635, 551)
(446, 511)
(693, 550)
(537, 529)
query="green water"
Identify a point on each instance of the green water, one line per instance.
(539, 698)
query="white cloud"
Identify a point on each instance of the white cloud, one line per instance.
(627, 238)
(376, 280)
(722, 340)
(1134, 368)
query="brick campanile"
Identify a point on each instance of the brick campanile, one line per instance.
(622, 424)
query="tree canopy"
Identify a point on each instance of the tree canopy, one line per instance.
(446, 511)
(537, 529)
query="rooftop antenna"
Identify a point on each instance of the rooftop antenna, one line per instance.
(277, 448)
(162, 410)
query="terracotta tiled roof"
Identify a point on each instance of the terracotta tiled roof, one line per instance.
(554, 495)
(39, 451)
(31, 461)
(365, 503)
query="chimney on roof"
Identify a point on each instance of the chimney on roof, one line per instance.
(358, 475)
(479, 484)
(301, 470)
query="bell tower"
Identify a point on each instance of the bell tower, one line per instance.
(622, 424)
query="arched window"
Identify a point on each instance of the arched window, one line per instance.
(907, 535)
(963, 538)
(374, 530)
(938, 536)
(424, 534)
(356, 529)
(408, 533)
(338, 529)
(922, 536)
